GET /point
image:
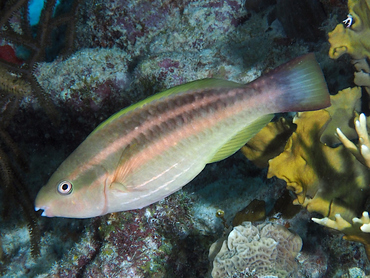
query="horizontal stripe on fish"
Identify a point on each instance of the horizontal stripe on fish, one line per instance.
(155, 119)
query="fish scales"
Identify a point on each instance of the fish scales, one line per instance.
(150, 150)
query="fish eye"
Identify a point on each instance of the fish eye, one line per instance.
(65, 187)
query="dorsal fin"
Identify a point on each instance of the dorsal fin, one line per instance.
(241, 138)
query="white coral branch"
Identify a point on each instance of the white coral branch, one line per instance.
(340, 224)
(362, 152)
(364, 220)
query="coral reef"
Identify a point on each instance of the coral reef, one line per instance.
(127, 50)
(127, 28)
(86, 86)
(326, 180)
(17, 82)
(357, 231)
(176, 43)
(267, 249)
(329, 180)
(155, 242)
(351, 38)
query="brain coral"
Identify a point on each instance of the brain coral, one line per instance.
(268, 249)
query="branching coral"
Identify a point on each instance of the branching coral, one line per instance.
(360, 229)
(362, 74)
(325, 179)
(357, 231)
(353, 40)
(362, 152)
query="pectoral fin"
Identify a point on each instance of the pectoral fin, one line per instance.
(241, 138)
(127, 163)
(116, 186)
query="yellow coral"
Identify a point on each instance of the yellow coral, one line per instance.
(268, 143)
(353, 38)
(362, 152)
(343, 110)
(362, 74)
(325, 179)
(358, 231)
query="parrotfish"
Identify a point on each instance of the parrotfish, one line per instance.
(153, 148)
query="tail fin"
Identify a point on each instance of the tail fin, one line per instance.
(300, 85)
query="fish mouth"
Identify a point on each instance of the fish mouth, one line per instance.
(44, 208)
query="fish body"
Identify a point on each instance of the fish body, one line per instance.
(151, 149)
